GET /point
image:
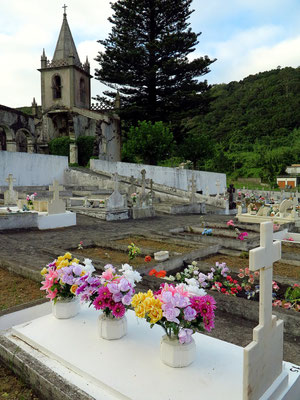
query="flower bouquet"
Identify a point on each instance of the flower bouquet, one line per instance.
(60, 283)
(30, 199)
(180, 310)
(112, 294)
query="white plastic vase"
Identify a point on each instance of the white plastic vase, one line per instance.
(177, 355)
(112, 328)
(66, 308)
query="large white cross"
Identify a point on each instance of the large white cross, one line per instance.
(56, 188)
(10, 181)
(264, 355)
(262, 258)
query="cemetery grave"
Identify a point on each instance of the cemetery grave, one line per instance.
(219, 233)
(116, 250)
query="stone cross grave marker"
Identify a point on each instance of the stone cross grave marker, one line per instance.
(207, 191)
(143, 197)
(116, 182)
(218, 185)
(56, 205)
(131, 188)
(263, 357)
(193, 190)
(151, 193)
(10, 195)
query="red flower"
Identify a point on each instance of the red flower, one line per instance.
(153, 272)
(161, 274)
(223, 290)
(147, 258)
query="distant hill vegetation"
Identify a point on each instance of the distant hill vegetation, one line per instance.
(252, 128)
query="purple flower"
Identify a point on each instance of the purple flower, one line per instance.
(170, 313)
(113, 288)
(210, 276)
(180, 301)
(127, 299)
(189, 313)
(124, 285)
(117, 297)
(77, 270)
(107, 266)
(167, 297)
(185, 336)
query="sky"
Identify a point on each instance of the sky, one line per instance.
(245, 36)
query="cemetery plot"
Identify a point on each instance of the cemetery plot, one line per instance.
(116, 251)
(281, 268)
(219, 233)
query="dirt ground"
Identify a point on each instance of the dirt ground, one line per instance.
(12, 388)
(15, 290)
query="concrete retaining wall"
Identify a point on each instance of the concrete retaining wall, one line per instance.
(31, 169)
(173, 177)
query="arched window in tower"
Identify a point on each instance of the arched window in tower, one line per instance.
(56, 87)
(82, 90)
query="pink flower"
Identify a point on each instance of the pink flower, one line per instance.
(287, 305)
(51, 295)
(230, 223)
(277, 303)
(107, 274)
(118, 311)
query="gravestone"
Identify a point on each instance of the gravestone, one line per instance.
(193, 187)
(151, 193)
(131, 189)
(10, 195)
(143, 197)
(116, 201)
(57, 205)
(284, 206)
(231, 191)
(218, 185)
(263, 357)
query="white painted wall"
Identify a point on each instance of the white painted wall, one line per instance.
(31, 169)
(173, 177)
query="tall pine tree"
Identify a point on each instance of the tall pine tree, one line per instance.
(146, 59)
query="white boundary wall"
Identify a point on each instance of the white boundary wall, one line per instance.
(172, 177)
(31, 169)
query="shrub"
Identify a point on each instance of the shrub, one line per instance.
(85, 149)
(60, 146)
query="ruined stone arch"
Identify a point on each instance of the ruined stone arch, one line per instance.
(24, 141)
(6, 138)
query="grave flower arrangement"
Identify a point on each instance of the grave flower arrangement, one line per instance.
(179, 309)
(230, 224)
(29, 199)
(133, 251)
(61, 276)
(110, 292)
(207, 232)
(133, 197)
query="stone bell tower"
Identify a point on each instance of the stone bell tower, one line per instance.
(65, 82)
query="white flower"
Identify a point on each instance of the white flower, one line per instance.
(89, 268)
(131, 275)
(192, 287)
(194, 263)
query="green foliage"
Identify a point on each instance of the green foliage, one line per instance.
(148, 143)
(85, 149)
(145, 57)
(60, 146)
(171, 162)
(253, 126)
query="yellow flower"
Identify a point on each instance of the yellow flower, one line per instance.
(68, 256)
(140, 311)
(74, 261)
(59, 266)
(44, 271)
(59, 260)
(64, 263)
(155, 315)
(138, 298)
(149, 293)
(82, 273)
(73, 288)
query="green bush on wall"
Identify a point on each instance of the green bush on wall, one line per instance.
(60, 146)
(85, 149)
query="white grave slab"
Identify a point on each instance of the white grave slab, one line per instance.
(53, 221)
(130, 368)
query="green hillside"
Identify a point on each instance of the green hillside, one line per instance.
(252, 129)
